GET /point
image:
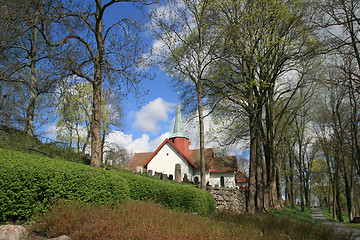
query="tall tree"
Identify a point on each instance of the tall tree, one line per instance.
(264, 41)
(26, 59)
(101, 54)
(186, 32)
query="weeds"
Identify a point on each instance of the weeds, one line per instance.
(146, 220)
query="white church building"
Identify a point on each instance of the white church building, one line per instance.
(174, 154)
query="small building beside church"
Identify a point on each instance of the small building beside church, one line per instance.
(174, 159)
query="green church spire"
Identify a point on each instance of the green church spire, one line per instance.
(178, 126)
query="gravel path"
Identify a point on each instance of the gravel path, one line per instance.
(340, 228)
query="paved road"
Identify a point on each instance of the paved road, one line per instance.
(340, 228)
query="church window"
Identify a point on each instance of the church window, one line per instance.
(222, 181)
(196, 180)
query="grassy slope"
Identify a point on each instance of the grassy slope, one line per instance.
(146, 220)
(329, 216)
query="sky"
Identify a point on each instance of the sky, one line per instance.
(149, 120)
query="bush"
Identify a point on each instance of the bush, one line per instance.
(29, 182)
(170, 194)
(133, 220)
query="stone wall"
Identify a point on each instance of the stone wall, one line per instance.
(228, 199)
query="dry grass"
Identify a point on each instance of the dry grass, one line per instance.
(145, 220)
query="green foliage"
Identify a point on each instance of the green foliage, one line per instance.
(15, 139)
(329, 215)
(170, 194)
(29, 182)
(11, 138)
(295, 214)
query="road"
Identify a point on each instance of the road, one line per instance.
(340, 228)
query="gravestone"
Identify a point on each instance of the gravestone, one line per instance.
(150, 173)
(178, 172)
(139, 169)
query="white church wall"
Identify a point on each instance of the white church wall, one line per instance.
(229, 179)
(166, 159)
(197, 173)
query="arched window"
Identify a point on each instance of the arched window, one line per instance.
(222, 181)
(196, 180)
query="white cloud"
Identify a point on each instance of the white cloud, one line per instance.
(141, 144)
(119, 138)
(148, 118)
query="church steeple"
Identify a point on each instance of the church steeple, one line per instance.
(178, 126)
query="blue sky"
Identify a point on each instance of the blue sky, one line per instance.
(147, 125)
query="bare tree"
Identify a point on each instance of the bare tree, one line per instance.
(186, 32)
(101, 54)
(26, 59)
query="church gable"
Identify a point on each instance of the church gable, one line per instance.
(166, 158)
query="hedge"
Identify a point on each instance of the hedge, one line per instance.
(29, 182)
(170, 194)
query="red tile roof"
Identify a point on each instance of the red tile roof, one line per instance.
(240, 177)
(139, 159)
(194, 155)
(224, 164)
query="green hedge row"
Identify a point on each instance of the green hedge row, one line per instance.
(28, 183)
(170, 193)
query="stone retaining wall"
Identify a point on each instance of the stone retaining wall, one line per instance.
(229, 199)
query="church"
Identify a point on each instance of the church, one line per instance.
(175, 160)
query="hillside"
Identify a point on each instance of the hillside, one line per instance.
(57, 196)
(31, 181)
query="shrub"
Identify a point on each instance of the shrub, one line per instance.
(170, 194)
(28, 183)
(133, 220)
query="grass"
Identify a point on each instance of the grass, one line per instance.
(329, 216)
(353, 225)
(146, 220)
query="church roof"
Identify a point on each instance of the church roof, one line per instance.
(194, 155)
(178, 126)
(241, 178)
(142, 159)
(224, 164)
(139, 159)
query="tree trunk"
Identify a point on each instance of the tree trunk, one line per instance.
(103, 144)
(253, 164)
(96, 111)
(30, 113)
(270, 146)
(259, 174)
(291, 180)
(202, 135)
(338, 199)
(96, 126)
